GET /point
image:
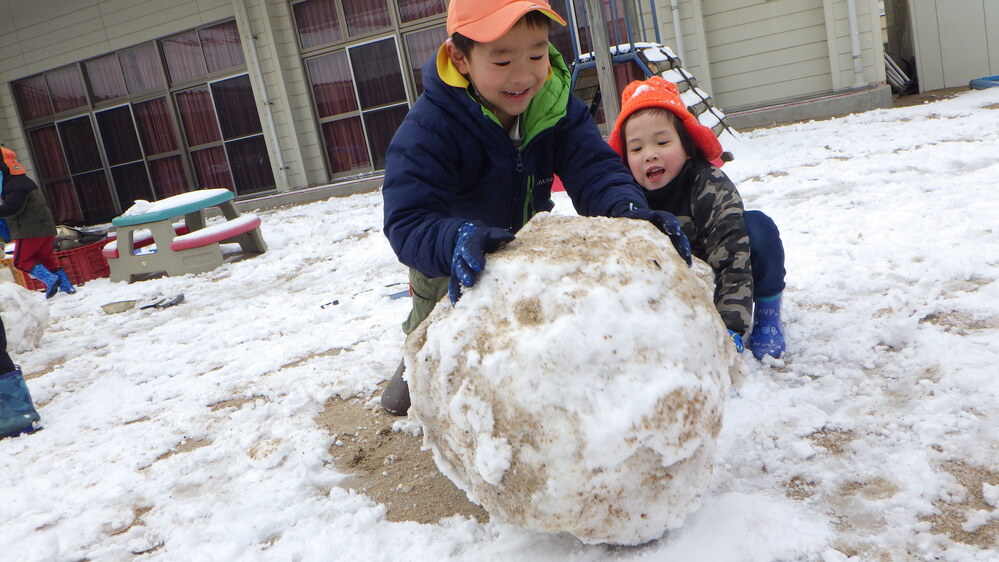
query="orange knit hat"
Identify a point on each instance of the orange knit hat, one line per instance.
(15, 167)
(659, 92)
(485, 21)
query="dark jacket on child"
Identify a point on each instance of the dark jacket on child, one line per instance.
(710, 211)
(451, 161)
(24, 207)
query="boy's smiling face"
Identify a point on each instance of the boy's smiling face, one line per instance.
(655, 151)
(509, 71)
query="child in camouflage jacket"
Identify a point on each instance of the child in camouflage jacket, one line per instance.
(671, 155)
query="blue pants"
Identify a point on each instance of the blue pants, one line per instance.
(6, 363)
(766, 255)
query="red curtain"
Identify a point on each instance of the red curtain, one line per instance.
(365, 16)
(222, 46)
(155, 126)
(198, 116)
(142, 70)
(66, 88)
(422, 45)
(168, 177)
(317, 23)
(410, 10)
(33, 98)
(105, 77)
(48, 152)
(331, 84)
(184, 58)
(613, 15)
(345, 145)
(212, 168)
(62, 201)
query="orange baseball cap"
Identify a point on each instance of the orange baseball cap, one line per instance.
(15, 167)
(661, 93)
(485, 21)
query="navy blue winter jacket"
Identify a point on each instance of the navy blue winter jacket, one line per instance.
(451, 161)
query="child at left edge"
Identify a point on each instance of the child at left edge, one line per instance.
(23, 206)
(673, 157)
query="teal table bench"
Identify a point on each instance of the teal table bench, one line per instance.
(172, 251)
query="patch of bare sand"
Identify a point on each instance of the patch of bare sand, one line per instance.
(952, 516)
(389, 467)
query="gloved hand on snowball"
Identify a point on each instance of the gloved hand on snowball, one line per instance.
(667, 223)
(737, 340)
(470, 248)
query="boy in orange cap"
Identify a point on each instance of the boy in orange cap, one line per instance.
(670, 153)
(476, 156)
(31, 225)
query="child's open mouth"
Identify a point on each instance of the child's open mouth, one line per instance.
(515, 95)
(655, 173)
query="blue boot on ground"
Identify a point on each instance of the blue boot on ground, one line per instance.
(64, 283)
(17, 413)
(768, 330)
(51, 280)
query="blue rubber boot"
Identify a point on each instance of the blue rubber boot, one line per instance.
(51, 280)
(17, 414)
(768, 331)
(64, 284)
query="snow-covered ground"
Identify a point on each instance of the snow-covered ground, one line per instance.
(189, 433)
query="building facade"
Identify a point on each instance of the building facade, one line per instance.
(110, 101)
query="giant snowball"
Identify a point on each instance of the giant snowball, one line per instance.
(25, 316)
(579, 385)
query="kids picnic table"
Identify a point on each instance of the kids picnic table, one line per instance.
(180, 247)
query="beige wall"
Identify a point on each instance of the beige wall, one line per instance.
(754, 53)
(955, 41)
(41, 35)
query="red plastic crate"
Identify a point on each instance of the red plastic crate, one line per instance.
(80, 264)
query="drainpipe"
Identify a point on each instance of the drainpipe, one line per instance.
(262, 88)
(674, 8)
(858, 67)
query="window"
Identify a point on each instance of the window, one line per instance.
(360, 99)
(365, 16)
(317, 22)
(192, 55)
(420, 46)
(53, 92)
(66, 89)
(162, 118)
(86, 169)
(53, 175)
(328, 22)
(105, 77)
(243, 135)
(412, 10)
(142, 69)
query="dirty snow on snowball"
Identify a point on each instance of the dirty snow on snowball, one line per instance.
(875, 435)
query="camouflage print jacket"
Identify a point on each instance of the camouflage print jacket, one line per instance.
(710, 212)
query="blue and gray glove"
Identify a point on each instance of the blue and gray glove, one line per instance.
(737, 340)
(470, 248)
(667, 223)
